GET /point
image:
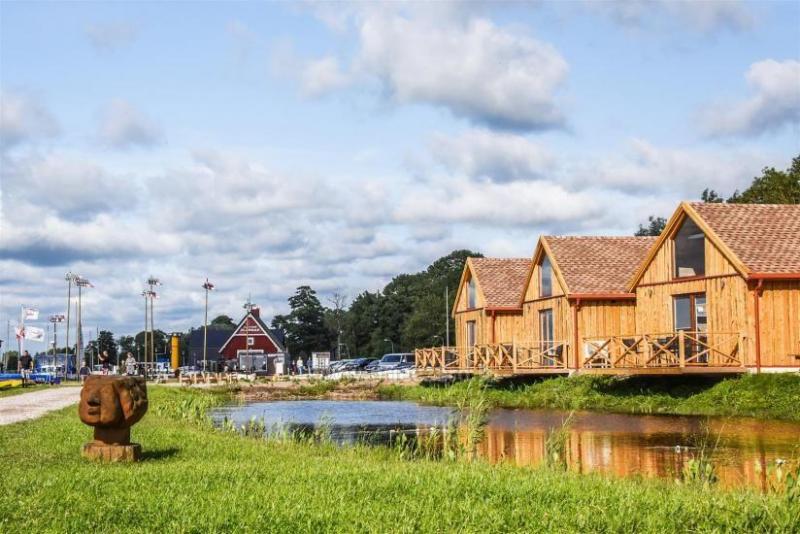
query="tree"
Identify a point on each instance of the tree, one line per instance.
(710, 196)
(223, 321)
(335, 320)
(105, 341)
(772, 187)
(159, 341)
(305, 324)
(127, 344)
(654, 227)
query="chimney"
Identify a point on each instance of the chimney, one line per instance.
(255, 310)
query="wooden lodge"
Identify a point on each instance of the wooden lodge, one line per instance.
(717, 292)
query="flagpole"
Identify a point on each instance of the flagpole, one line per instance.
(68, 276)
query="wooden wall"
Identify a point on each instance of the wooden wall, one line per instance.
(461, 327)
(606, 318)
(532, 292)
(780, 324)
(509, 327)
(562, 319)
(461, 304)
(662, 267)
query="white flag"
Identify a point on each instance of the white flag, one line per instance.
(30, 332)
(31, 314)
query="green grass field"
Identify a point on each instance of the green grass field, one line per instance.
(195, 479)
(766, 396)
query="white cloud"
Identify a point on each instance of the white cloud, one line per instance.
(24, 118)
(702, 16)
(679, 172)
(70, 186)
(323, 75)
(440, 54)
(485, 203)
(110, 36)
(775, 102)
(498, 157)
(123, 126)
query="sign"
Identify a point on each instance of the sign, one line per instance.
(30, 332)
(31, 314)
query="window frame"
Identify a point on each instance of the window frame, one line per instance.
(545, 259)
(675, 268)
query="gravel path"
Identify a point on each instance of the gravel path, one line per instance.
(36, 403)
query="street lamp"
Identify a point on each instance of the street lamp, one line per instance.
(55, 319)
(81, 282)
(391, 342)
(208, 286)
(152, 281)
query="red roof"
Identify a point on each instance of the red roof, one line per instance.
(501, 279)
(598, 264)
(764, 237)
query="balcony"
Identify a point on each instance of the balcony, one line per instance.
(545, 357)
(666, 353)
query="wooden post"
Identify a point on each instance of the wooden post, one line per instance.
(514, 357)
(681, 349)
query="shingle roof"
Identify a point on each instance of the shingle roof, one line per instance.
(765, 237)
(598, 264)
(501, 279)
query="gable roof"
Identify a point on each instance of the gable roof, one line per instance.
(273, 335)
(764, 237)
(758, 239)
(500, 280)
(598, 265)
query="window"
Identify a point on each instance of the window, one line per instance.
(471, 293)
(470, 333)
(546, 328)
(690, 313)
(545, 278)
(250, 341)
(690, 250)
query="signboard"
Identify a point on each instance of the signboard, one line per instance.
(320, 360)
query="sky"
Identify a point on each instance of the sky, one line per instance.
(269, 145)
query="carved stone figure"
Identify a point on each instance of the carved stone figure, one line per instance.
(112, 404)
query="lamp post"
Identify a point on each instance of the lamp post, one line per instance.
(391, 342)
(70, 278)
(152, 282)
(81, 282)
(55, 319)
(208, 286)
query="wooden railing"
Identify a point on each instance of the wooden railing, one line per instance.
(672, 349)
(495, 357)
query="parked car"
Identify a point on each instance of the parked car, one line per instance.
(393, 361)
(338, 365)
(358, 364)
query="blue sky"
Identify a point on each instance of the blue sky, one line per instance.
(267, 145)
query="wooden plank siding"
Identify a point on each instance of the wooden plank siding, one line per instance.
(780, 324)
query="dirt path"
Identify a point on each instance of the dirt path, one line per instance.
(36, 403)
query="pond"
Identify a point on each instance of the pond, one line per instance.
(742, 450)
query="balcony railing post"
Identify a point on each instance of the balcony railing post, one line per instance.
(681, 349)
(514, 357)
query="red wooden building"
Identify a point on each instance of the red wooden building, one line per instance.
(254, 346)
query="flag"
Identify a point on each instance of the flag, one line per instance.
(30, 332)
(31, 314)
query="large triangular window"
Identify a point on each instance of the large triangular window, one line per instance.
(690, 250)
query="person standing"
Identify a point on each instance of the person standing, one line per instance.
(84, 372)
(130, 365)
(25, 365)
(104, 362)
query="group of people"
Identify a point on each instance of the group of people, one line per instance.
(105, 366)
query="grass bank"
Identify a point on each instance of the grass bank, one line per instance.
(766, 396)
(196, 479)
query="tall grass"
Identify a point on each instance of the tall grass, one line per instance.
(196, 479)
(773, 396)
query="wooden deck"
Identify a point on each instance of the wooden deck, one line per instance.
(671, 353)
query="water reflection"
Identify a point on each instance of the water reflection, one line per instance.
(650, 446)
(616, 444)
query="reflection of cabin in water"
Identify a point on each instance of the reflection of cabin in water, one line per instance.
(717, 292)
(254, 346)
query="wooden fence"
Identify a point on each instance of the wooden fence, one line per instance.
(494, 358)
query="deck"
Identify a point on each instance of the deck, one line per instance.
(671, 353)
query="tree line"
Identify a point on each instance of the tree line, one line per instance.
(772, 187)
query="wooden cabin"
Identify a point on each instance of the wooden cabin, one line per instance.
(487, 308)
(576, 289)
(719, 289)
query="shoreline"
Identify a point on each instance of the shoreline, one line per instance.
(752, 396)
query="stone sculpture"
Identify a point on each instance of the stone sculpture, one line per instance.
(112, 404)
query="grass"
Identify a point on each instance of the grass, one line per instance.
(766, 396)
(195, 479)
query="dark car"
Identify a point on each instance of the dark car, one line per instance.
(393, 361)
(359, 364)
